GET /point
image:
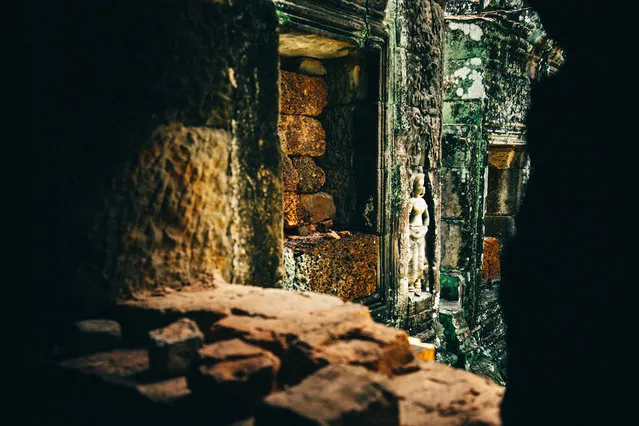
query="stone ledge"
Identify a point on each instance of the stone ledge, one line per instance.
(345, 267)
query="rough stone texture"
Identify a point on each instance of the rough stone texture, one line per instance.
(417, 95)
(301, 135)
(233, 374)
(334, 396)
(340, 135)
(155, 89)
(344, 334)
(491, 264)
(319, 207)
(182, 198)
(290, 180)
(505, 189)
(205, 307)
(346, 267)
(93, 335)
(311, 177)
(312, 45)
(172, 348)
(302, 94)
(440, 395)
(293, 212)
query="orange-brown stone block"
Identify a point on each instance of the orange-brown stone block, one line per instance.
(317, 207)
(345, 267)
(301, 135)
(293, 214)
(311, 177)
(491, 267)
(290, 178)
(302, 94)
(505, 157)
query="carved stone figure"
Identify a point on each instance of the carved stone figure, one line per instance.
(418, 227)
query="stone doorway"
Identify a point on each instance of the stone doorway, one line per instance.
(329, 129)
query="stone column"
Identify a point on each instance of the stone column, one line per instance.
(159, 162)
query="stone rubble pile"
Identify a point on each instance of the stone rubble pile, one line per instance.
(266, 357)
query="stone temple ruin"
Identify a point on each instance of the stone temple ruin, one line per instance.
(280, 211)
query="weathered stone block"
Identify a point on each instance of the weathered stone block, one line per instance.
(301, 135)
(302, 44)
(311, 177)
(344, 334)
(491, 264)
(94, 335)
(310, 66)
(454, 253)
(294, 214)
(439, 395)
(506, 157)
(457, 194)
(172, 348)
(290, 178)
(346, 268)
(340, 184)
(206, 307)
(335, 395)
(339, 125)
(233, 374)
(505, 189)
(302, 95)
(318, 207)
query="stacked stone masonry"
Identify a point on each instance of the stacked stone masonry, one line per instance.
(266, 357)
(303, 138)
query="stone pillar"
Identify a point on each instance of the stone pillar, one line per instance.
(158, 160)
(416, 97)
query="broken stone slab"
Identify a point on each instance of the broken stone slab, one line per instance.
(335, 395)
(311, 177)
(300, 135)
(319, 263)
(205, 307)
(290, 178)
(93, 335)
(319, 206)
(438, 395)
(172, 348)
(344, 334)
(232, 376)
(302, 95)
